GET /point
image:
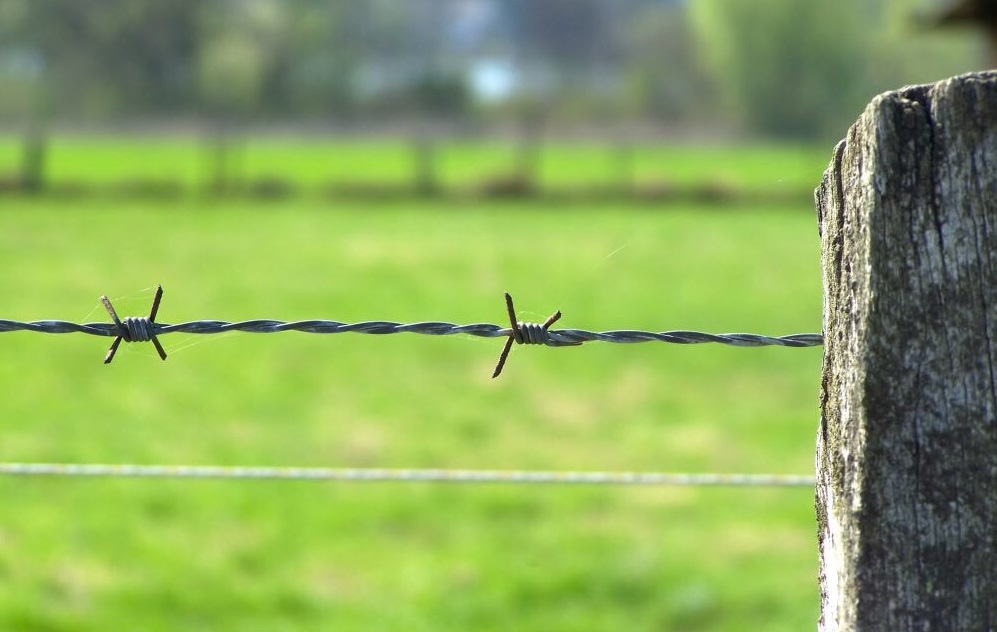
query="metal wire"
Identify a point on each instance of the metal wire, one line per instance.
(555, 337)
(144, 329)
(356, 475)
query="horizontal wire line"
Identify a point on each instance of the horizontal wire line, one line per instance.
(556, 338)
(356, 475)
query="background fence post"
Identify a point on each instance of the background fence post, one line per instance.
(907, 445)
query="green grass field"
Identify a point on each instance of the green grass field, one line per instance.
(97, 554)
(312, 165)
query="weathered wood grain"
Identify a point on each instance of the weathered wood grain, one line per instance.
(907, 445)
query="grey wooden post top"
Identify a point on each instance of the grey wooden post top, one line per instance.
(907, 445)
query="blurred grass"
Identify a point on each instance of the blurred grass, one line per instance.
(167, 555)
(312, 165)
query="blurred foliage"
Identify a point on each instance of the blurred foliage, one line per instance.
(666, 76)
(792, 68)
(242, 46)
(786, 67)
(800, 68)
(907, 49)
(91, 57)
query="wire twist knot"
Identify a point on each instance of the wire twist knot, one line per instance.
(134, 328)
(531, 333)
(527, 334)
(137, 329)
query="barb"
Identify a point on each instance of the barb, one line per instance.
(358, 475)
(146, 329)
(525, 333)
(135, 329)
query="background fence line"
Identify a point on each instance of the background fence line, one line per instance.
(358, 475)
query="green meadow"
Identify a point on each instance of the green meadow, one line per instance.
(314, 165)
(114, 554)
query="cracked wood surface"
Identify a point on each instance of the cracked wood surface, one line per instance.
(907, 445)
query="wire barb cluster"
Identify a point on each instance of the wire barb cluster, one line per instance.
(526, 334)
(146, 329)
(135, 328)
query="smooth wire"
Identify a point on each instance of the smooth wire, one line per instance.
(356, 475)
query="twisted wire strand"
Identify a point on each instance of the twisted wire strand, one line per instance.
(554, 338)
(358, 475)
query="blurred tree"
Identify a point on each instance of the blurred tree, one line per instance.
(431, 95)
(552, 41)
(795, 68)
(910, 48)
(241, 46)
(433, 98)
(566, 39)
(23, 100)
(666, 77)
(322, 48)
(109, 57)
(241, 51)
(411, 72)
(20, 68)
(789, 67)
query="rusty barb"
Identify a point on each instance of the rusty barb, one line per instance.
(526, 334)
(146, 329)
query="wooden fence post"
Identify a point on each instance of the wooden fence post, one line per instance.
(907, 445)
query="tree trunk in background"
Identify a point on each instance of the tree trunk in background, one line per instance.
(907, 446)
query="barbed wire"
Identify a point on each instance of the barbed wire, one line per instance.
(357, 475)
(145, 329)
